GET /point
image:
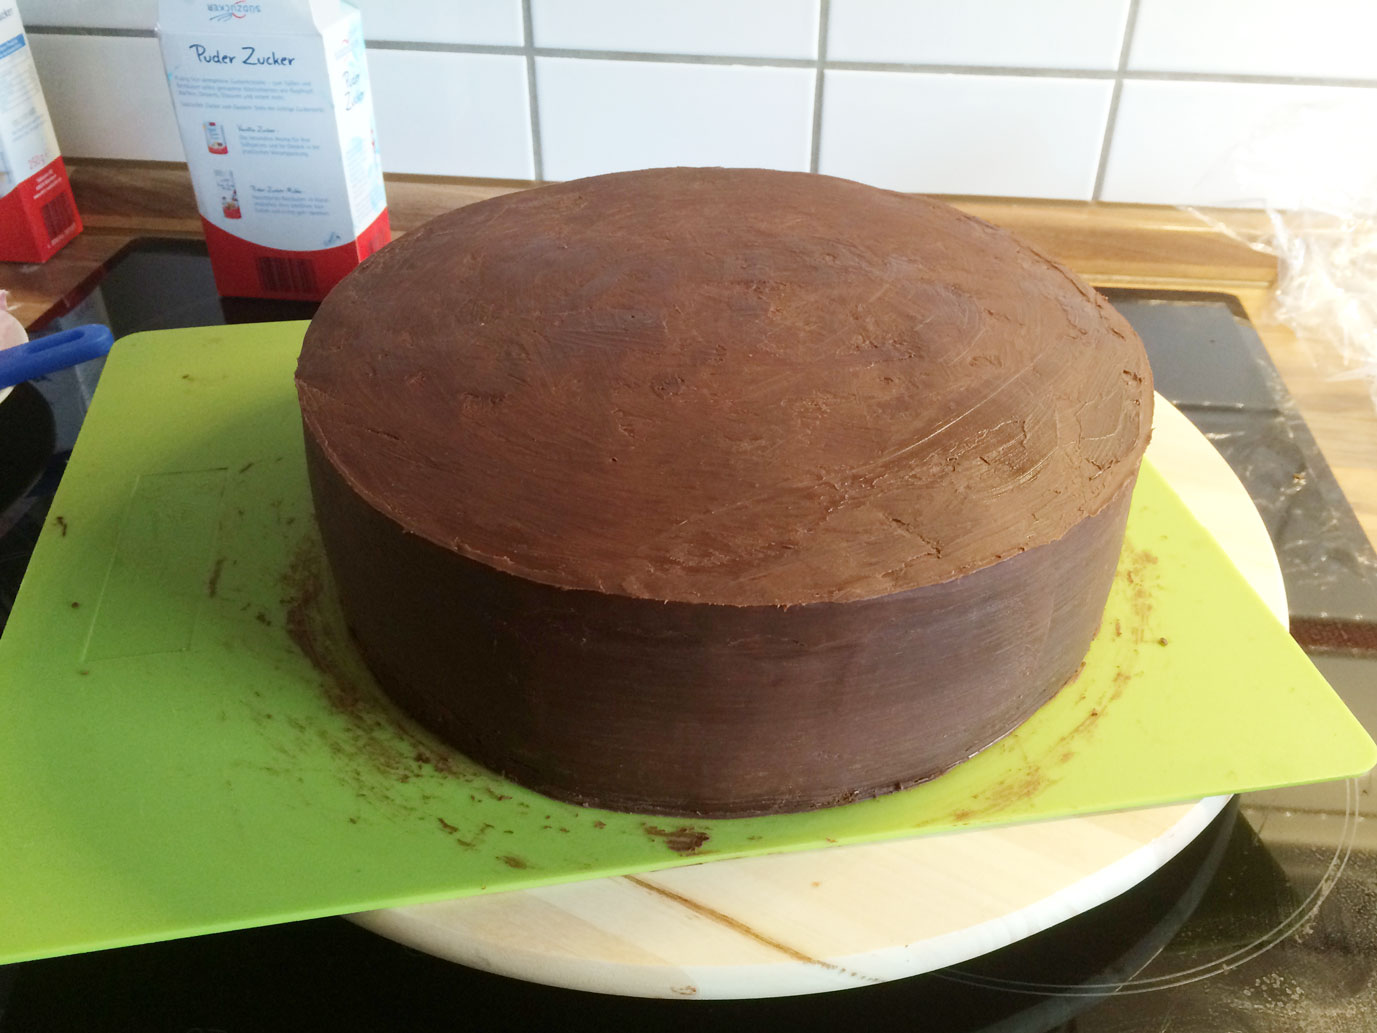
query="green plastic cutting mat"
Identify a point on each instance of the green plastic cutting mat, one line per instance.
(188, 743)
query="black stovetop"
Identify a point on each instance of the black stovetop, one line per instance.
(1268, 921)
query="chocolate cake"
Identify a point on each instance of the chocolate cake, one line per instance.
(720, 492)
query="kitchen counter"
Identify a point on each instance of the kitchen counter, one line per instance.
(1110, 245)
(1264, 921)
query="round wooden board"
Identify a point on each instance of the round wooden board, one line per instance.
(851, 916)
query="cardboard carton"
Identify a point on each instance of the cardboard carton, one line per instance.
(37, 213)
(276, 118)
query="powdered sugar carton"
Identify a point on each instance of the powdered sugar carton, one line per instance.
(37, 213)
(276, 118)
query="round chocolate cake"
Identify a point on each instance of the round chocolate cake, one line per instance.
(720, 492)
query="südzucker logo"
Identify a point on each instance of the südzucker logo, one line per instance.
(236, 9)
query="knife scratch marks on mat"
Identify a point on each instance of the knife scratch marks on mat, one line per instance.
(213, 582)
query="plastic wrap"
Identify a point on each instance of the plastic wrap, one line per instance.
(1320, 204)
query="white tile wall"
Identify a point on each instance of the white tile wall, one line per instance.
(965, 134)
(1016, 33)
(1243, 144)
(759, 28)
(113, 14)
(605, 116)
(476, 113)
(1322, 38)
(487, 22)
(1220, 101)
(94, 119)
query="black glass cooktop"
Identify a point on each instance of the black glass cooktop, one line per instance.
(1267, 921)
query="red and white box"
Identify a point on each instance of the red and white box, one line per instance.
(37, 213)
(276, 118)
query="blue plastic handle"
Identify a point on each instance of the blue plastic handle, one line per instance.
(53, 352)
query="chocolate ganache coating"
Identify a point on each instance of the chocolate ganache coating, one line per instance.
(709, 491)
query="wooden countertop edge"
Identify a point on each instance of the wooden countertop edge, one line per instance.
(1108, 244)
(140, 197)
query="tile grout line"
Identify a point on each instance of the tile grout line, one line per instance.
(79, 30)
(815, 140)
(1112, 117)
(533, 101)
(502, 49)
(993, 71)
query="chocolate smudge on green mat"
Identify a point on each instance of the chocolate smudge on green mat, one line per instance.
(1138, 576)
(683, 840)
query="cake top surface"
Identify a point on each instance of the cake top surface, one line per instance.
(727, 386)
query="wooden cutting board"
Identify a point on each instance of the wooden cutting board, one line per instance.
(189, 743)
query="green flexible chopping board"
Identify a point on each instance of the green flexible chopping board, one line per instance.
(188, 742)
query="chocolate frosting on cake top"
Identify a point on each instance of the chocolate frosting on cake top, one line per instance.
(740, 387)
